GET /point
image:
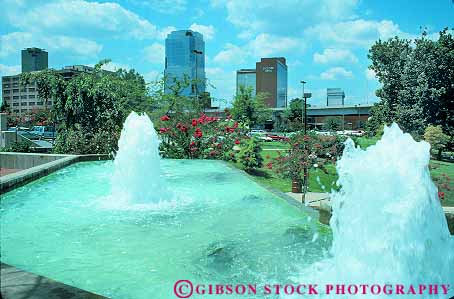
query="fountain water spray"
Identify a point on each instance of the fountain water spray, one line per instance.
(388, 224)
(137, 176)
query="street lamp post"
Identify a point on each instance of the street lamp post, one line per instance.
(304, 107)
(196, 72)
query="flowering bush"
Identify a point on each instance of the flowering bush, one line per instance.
(306, 152)
(202, 137)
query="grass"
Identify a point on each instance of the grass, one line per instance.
(274, 145)
(325, 182)
(443, 173)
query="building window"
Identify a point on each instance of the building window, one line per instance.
(7, 91)
(15, 97)
(16, 110)
(23, 97)
(39, 103)
(49, 103)
(23, 90)
(6, 79)
(15, 90)
(31, 103)
(15, 104)
(6, 98)
(31, 89)
(23, 104)
(16, 79)
(6, 86)
(32, 96)
(15, 84)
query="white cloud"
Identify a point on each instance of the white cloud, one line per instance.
(163, 6)
(230, 55)
(114, 66)
(207, 31)
(8, 70)
(263, 45)
(331, 55)
(12, 42)
(79, 17)
(155, 53)
(335, 73)
(370, 74)
(358, 32)
(261, 15)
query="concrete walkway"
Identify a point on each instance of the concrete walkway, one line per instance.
(19, 284)
(322, 203)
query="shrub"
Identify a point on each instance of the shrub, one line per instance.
(437, 139)
(203, 137)
(249, 155)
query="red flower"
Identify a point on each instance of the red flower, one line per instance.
(165, 118)
(192, 144)
(235, 125)
(269, 165)
(237, 141)
(163, 130)
(198, 133)
(441, 195)
(194, 122)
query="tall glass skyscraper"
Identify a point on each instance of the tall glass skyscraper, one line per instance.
(185, 56)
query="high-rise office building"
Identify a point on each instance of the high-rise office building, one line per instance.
(271, 78)
(246, 78)
(185, 57)
(335, 97)
(34, 59)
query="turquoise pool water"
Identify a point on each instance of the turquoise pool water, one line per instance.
(219, 227)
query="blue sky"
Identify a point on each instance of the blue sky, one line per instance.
(325, 41)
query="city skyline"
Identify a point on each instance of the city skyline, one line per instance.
(325, 42)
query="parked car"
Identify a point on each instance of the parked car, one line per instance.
(276, 137)
(44, 131)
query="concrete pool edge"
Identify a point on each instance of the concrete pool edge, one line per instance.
(17, 179)
(17, 284)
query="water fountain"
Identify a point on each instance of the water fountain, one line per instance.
(388, 225)
(137, 176)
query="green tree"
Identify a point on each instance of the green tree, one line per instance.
(333, 123)
(437, 139)
(417, 82)
(248, 109)
(90, 108)
(250, 156)
(5, 107)
(292, 116)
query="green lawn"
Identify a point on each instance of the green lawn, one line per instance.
(443, 175)
(441, 172)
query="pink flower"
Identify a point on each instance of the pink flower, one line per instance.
(165, 118)
(194, 122)
(163, 130)
(237, 141)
